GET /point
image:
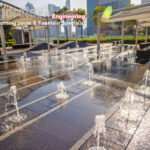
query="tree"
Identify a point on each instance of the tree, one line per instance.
(80, 11)
(97, 10)
(61, 11)
(131, 23)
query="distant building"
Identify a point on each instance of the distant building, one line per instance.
(145, 1)
(69, 27)
(52, 8)
(68, 5)
(30, 7)
(116, 4)
(85, 31)
(53, 30)
(91, 4)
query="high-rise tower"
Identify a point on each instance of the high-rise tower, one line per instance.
(69, 27)
(68, 4)
(30, 7)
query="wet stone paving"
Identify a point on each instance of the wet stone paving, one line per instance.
(57, 124)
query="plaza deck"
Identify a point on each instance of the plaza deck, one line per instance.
(60, 124)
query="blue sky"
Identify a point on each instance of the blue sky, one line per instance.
(61, 3)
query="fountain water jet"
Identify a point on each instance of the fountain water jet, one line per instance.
(71, 63)
(85, 56)
(108, 64)
(90, 74)
(22, 63)
(127, 109)
(144, 88)
(146, 79)
(13, 95)
(44, 63)
(61, 91)
(129, 57)
(74, 61)
(68, 49)
(62, 61)
(25, 55)
(45, 59)
(118, 61)
(99, 129)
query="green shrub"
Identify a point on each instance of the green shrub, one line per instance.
(10, 42)
(127, 40)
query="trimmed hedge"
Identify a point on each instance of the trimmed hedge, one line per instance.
(127, 40)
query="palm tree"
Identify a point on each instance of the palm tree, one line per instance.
(61, 11)
(97, 10)
(80, 11)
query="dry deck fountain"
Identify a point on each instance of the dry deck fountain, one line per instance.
(99, 129)
(13, 101)
(62, 94)
(90, 74)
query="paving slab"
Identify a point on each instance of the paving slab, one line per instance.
(38, 108)
(67, 124)
(49, 103)
(4, 120)
(141, 138)
(103, 143)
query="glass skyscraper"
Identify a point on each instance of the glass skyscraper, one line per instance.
(51, 9)
(91, 4)
(69, 27)
(30, 7)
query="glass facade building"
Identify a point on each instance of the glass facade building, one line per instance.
(51, 9)
(30, 7)
(69, 27)
(91, 4)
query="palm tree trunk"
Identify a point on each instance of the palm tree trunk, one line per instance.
(134, 32)
(58, 34)
(66, 31)
(103, 32)
(76, 35)
(81, 31)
